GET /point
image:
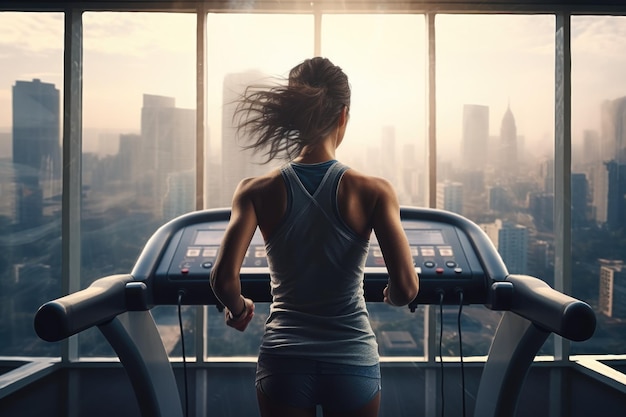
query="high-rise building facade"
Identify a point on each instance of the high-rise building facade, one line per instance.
(36, 147)
(475, 136)
(37, 125)
(508, 153)
(511, 241)
(450, 196)
(612, 298)
(168, 136)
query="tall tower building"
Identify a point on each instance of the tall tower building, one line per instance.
(168, 145)
(613, 130)
(237, 163)
(37, 126)
(475, 135)
(36, 147)
(508, 155)
(612, 147)
(511, 240)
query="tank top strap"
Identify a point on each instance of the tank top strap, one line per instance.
(326, 194)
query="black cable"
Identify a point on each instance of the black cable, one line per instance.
(182, 340)
(441, 347)
(461, 351)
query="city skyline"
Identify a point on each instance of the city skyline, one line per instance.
(496, 70)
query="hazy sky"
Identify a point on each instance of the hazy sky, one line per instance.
(490, 60)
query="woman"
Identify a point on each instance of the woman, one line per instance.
(316, 217)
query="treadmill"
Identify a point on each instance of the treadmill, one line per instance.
(451, 254)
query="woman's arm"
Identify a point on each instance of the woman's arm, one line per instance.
(403, 281)
(225, 280)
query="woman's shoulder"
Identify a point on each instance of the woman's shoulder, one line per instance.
(262, 183)
(363, 181)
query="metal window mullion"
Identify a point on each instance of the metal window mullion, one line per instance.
(562, 197)
(562, 167)
(72, 154)
(429, 314)
(317, 32)
(201, 70)
(430, 323)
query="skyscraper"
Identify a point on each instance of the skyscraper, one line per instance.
(168, 144)
(36, 125)
(36, 146)
(475, 135)
(508, 158)
(608, 177)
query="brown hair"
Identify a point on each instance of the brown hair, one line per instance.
(283, 119)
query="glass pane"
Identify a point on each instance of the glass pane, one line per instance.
(138, 144)
(599, 177)
(31, 86)
(384, 58)
(242, 49)
(495, 135)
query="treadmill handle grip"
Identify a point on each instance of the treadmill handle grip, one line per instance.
(552, 310)
(104, 299)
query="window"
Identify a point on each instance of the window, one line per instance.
(31, 85)
(384, 58)
(599, 177)
(242, 49)
(138, 161)
(495, 135)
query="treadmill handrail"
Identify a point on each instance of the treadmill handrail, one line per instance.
(550, 309)
(103, 300)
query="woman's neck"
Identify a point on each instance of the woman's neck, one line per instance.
(324, 151)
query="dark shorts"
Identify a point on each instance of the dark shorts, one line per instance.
(305, 383)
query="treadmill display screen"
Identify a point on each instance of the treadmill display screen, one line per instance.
(208, 237)
(425, 237)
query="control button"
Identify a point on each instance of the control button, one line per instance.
(429, 264)
(193, 252)
(458, 270)
(446, 251)
(207, 264)
(209, 253)
(439, 270)
(428, 252)
(450, 264)
(184, 271)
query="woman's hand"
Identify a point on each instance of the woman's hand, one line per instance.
(242, 322)
(386, 296)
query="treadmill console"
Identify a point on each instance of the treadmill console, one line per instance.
(443, 254)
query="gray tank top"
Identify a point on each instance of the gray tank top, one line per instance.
(316, 266)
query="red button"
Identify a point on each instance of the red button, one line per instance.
(439, 270)
(184, 271)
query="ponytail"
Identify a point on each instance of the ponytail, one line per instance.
(282, 120)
